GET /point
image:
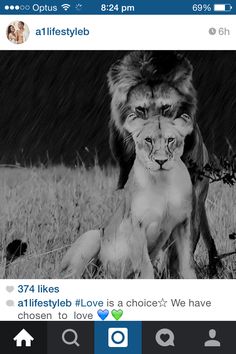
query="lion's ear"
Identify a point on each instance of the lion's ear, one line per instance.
(184, 124)
(119, 82)
(181, 76)
(113, 76)
(126, 73)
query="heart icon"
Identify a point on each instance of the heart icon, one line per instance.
(103, 314)
(165, 337)
(9, 288)
(117, 314)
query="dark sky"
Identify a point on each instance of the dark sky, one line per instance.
(54, 105)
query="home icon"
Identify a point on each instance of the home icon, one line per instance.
(23, 337)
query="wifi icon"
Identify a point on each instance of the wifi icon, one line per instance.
(65, 6)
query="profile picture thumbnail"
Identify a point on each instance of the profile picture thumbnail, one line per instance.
(18, 32)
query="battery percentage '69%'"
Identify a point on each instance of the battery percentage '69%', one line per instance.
(201, 7)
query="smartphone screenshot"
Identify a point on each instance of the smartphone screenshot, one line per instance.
(117, 176)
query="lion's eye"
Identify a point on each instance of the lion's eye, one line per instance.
(140, 110)
(170, 140)
(165, 108)
(148, 140)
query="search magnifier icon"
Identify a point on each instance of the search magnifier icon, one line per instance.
(72, 334)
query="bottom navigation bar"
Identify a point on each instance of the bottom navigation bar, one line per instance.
(125, 337)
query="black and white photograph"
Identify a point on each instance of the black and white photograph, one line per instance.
(118, 164)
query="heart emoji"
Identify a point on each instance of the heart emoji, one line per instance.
(103, 314)
(9, 288)
(117, 314)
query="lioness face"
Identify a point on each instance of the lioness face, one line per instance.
(159, 142)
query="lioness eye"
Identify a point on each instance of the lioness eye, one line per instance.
(140, 110)
(148, 140)
(170, 140)
(131, 116)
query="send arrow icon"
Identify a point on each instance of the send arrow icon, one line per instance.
(23, 338)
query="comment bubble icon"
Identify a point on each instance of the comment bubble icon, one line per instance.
(10, 303)
(165, 338)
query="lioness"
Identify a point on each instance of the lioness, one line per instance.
(148, 84)
(156, 206)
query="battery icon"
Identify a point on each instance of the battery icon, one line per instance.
(223, 7)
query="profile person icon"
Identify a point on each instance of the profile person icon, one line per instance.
(212, 342)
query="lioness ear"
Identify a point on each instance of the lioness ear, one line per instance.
(184, 124)
(132, 123)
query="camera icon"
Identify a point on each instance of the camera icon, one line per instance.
(118, 337)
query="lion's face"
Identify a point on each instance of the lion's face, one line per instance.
(148, 102)
(159, 142)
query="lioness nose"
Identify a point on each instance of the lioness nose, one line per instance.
(161, 162)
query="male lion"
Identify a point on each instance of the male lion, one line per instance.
(156, 207)
(147, 84)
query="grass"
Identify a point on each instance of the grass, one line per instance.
(49, 209)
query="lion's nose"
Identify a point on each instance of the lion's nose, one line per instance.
(161, 162)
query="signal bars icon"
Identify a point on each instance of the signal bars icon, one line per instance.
(12, 7)
(65, 7)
